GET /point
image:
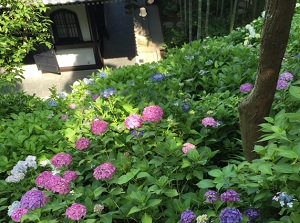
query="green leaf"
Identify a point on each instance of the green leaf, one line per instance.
(215, 173)
(170, 192)
(134, 209)
(266, 168)
(98, 191)
(295, 91)
(288, 154)
(146, 218)
(185, 163)
(153, 202)
(206, 183)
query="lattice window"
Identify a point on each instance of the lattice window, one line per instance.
(65, 27)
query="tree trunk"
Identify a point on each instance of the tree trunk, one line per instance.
(199, 19)
(190, 20)
(257, 105)
(232, 16)
(207, 17)
(222, 8)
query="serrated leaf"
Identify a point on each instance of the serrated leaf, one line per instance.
(146, 218)
(134, 209)
(206, 183)
(266, 168)
(215, 173)
(170, 192)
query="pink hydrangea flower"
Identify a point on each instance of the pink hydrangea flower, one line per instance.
(95, 96)
(57, 184)
(98, 126)
(82, 143)
(76, 211)
(43, 178)
(61, 159)
(209, 121)
(64, 117)
(152, 113)
(70, 175)
(18, 213)
(133, 121)
(72, 106)
(104, 171)
(187, 146)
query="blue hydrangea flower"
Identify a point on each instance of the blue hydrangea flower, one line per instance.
(12, 207)
(157, 77)
(187, 216)
(189, 57)
(52, 103)
(298, 55)
(284, 199)
(88, 81)
(62, 95)
(20, 167)
(252, 214)
(136, 133)
(230, 215)
(211, 196)
(102, 74)
(185, 107)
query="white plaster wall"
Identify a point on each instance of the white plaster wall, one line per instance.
(79, 9)
(75, 57)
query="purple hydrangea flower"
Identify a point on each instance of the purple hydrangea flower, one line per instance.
(286, 76)
(246, 87)
(95, 96)
(252, 214)
(157, 77)
(33, 199)
(211, 196)
(282, 84)
(64, 117)
(61, 159)
(230, 215)
(187, 216)
(107, 92)
(230, 196)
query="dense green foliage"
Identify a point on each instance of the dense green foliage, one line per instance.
(155, 181)
(22, 27)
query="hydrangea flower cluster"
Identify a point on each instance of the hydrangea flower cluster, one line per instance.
(82, 143)
(211, 196)
(17, 215)
(133, 121)
(88, 81)
(102, 74)
(230, 215)
(283, 80)
(98, 208)
(76, 211)
(107, 92)
(72, 106)
(136, 133)
(104, 171)
(13, 207)
(98, 126)
(230, 196)
(61, 159)
(19, 170)
(209, 121)
(54, 183)
(70, 175)
(187, 216)
(157, 77)
(284, 199)
(52, 103)
(187, 146)
(95, 96)
(64, 117)
(33, 199)
(202, 218)
(252, 214)
(246, 87)
(62, 95)
(185, 107)
(152, 113)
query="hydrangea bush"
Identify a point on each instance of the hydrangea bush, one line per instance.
(153, 143)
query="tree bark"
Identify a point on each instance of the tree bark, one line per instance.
(207, 17)
(199, 27)
(257, 105)
(190, 20)
(232, 16)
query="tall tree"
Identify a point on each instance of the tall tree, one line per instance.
(257, 105)
(207, 17)
(232, 16)
(199, 27)
(190, 20)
